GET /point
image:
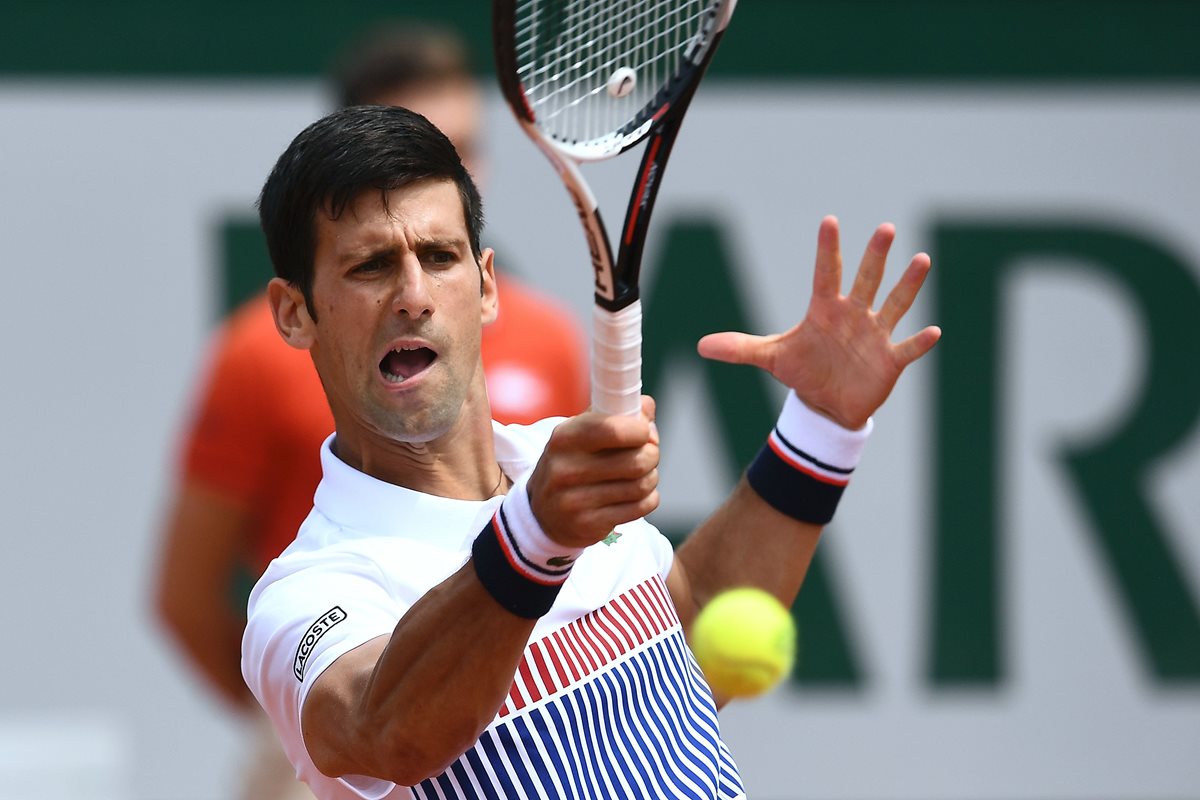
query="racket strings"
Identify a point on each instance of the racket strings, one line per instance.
(581, 37)
(567, 52)
(589, 86)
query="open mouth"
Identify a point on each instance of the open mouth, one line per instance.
(401, 364)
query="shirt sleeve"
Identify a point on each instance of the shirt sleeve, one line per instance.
(298, 626)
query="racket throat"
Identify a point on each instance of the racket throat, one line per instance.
(604, 281)
(646, 189)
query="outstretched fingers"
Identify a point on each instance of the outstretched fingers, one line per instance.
(901, 298)
(827, 277)
(870, 269)
(917, 345)
(737, 348)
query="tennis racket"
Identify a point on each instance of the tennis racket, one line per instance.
(587, 80)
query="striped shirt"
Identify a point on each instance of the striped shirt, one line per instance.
(611, 705)
(607, 702)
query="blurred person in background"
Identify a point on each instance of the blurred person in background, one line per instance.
(250, 455)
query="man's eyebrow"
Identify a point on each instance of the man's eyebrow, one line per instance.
(361, 255)
(452, 243)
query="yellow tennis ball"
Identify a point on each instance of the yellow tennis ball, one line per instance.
(745, 641)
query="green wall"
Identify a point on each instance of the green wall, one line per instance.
(1001, 40)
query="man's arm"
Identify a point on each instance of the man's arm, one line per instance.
(745, 542)
(204, 541)
(403, 707)
(841, 363)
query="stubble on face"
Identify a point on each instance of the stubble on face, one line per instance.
(397, 291)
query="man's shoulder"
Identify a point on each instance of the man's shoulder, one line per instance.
(357, 572)
(309, 565)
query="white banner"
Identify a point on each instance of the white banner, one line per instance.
(111, 200)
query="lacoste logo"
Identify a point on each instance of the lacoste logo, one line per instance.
(559, 561)
(611, 539)
(313, 635)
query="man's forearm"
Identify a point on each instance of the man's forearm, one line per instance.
(745, 542)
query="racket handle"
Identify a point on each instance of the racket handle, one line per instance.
(617, 360)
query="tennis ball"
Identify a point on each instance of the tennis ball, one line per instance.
(745, 641)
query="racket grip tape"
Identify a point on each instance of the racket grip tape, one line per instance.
(617, 360)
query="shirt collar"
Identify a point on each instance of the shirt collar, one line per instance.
(359, 503)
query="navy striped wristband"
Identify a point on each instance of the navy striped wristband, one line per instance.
(806, 463)
(518, 564)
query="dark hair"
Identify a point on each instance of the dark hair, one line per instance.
(395, 58)
(337, 158)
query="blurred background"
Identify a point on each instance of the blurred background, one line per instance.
(1008, 604)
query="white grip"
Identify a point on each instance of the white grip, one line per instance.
(617, 360)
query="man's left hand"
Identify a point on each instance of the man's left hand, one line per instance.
(840, 360)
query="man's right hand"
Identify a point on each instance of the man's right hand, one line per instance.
(596, 472)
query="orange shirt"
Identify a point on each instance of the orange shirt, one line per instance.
(261, 415)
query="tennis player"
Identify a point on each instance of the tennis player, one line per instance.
(481, 610)
(249, 456)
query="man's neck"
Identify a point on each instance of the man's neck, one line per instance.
(459, 464)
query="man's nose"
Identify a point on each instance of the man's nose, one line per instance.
(411, 296)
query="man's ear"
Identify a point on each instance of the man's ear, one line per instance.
(488, 290)
(292, 319)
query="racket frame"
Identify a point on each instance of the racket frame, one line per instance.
(616, 363)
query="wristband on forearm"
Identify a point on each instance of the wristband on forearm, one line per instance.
(806, 463)
(518, 564)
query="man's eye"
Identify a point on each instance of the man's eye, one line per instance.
(368, 267)
(441, 257)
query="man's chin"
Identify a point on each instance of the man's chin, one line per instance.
(421, 427)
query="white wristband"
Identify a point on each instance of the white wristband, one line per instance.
(806, 463)
(527, 547)
(817, 444)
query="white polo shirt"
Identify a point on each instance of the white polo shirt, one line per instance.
(607, 702)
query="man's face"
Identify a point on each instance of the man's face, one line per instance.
(400, 312)
(455, 107)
